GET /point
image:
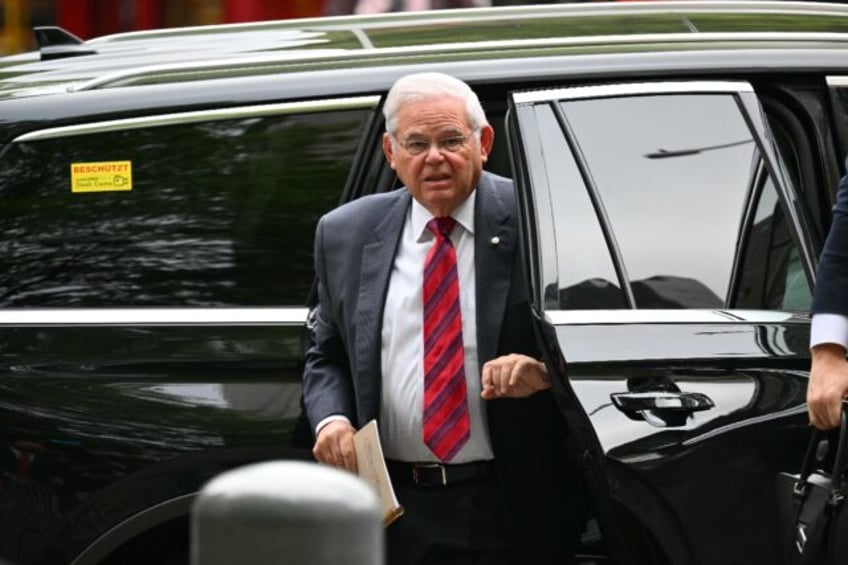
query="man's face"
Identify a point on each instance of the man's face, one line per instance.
(443, 175)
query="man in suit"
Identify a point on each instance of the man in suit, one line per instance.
(828, 383)
(422, 288)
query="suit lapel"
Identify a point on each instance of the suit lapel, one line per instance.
(377, 260)
(495, 244)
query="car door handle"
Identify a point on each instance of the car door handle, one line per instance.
(661, 408)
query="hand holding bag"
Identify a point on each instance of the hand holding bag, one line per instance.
(821, 519)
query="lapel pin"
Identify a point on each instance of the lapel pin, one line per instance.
(495, 240)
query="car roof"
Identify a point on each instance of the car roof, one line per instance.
(162, 71)
(222, 51)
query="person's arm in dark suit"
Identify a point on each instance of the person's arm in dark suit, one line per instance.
(828, 383)
(327, 382)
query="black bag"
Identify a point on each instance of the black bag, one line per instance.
(820, 528)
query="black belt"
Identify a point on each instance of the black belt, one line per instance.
(438, 474)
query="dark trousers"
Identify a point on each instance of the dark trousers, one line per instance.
(460, 524)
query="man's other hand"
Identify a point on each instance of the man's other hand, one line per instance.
(513, 376)
(334, 445)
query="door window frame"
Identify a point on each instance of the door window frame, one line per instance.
(535, 202)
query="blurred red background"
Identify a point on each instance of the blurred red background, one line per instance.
(91, 18)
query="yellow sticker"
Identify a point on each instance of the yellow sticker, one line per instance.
(107, 176)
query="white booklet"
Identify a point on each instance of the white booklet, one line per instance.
(371, 466)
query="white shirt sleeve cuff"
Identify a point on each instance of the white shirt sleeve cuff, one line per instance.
(329, 419)
(829, 328)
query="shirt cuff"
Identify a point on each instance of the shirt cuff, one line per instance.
(328, 419)
(829, 328)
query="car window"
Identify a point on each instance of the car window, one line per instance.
(586, 276)
(771, 274)
(675, 174)
(219, 213)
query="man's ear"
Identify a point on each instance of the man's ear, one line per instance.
(487, 140)
(388, 150)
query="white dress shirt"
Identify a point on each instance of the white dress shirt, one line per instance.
(402, 398)
(829, 328)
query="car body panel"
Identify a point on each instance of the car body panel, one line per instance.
(103, 419)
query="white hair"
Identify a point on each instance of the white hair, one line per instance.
(422, 86)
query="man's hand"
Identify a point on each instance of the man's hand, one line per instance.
(334, 445)
(828, 385)
(513, 376)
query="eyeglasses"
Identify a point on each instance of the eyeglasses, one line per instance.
(452, 144)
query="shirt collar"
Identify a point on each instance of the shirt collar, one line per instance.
(464, 216)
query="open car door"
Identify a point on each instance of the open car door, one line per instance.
(668, 265)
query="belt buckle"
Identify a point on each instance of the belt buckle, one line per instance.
(428, 466)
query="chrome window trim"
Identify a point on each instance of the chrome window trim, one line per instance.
(238, 112)
(838, 81)
(631, 88)
(152, 316)
(665, 317)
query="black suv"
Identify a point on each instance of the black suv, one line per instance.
(675, 167)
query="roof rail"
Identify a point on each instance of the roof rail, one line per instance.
(327, 59)
(57, 43)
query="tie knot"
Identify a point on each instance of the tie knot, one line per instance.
(443, 226)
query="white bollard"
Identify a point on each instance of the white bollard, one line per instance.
(286, 512)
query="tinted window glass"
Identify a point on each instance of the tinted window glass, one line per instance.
(771, 275)
(587, 278)
(220, 213)
(674, 173)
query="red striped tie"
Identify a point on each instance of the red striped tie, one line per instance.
(446, 426)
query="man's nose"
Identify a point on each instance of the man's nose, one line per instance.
(434, 153)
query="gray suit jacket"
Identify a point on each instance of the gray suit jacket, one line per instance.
(355, 247)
